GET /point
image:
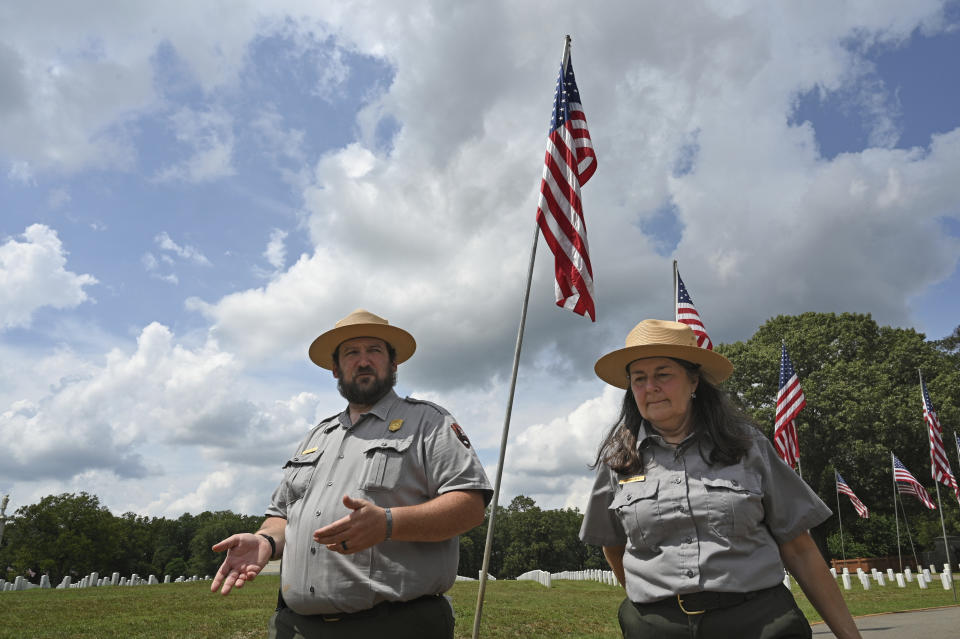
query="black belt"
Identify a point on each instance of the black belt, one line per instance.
(382, 608)
(697, 603)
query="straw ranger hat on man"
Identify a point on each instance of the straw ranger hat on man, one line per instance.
(361, 323)
(661, 338)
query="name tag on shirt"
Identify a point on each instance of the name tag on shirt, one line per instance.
(309, 450)
(630, 480)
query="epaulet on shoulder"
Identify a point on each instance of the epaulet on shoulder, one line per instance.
(440, 409)
(327, 419)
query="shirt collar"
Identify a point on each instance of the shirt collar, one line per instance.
(647, 435)
(379, 410)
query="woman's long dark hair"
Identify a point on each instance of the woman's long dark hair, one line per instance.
(714, 418)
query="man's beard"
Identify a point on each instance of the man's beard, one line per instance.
(369, 395)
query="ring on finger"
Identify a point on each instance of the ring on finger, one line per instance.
(343, 544)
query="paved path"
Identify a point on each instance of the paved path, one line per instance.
(934, 622)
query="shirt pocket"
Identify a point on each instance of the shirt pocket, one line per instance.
(637, 508)
(297, 473)
(383, 463)
(734, 501)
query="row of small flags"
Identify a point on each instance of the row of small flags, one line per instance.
(569, 162)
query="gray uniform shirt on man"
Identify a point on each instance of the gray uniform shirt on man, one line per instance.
(689, 526)
(402, 453)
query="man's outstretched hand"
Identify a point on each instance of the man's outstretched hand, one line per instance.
(247, 554)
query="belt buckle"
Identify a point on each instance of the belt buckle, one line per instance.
(688, 612)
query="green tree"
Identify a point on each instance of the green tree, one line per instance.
(66, 534)
(863, 401)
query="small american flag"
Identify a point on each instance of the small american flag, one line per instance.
(939, 466)
(569, 164)
(908, 485)
(790, 400)
(843, 488)
(687, 314)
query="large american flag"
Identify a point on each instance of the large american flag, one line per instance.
(844, 488)
(790, 400)
(908, 485)
(568, 165)
(939, 466)
(687, 314)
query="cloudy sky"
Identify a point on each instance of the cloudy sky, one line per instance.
(190, 192)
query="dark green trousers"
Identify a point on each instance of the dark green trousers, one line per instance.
(773, 614)
(425, 618)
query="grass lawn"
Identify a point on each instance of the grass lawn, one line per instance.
(511, 609)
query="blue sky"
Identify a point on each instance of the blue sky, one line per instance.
(184, 209)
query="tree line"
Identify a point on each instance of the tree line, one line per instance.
(74, 534)
(863, 401)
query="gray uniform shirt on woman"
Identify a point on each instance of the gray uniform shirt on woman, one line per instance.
(689, 526)
(402, 453)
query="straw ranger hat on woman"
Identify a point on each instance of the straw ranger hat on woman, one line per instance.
(659, 338)
(695, 512)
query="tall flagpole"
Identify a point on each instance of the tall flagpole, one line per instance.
(936, 484)
(896, 517)
(503, 437)
(481, 591)
(906, 524)
(676, 296)
(943, 527)
(843, 552)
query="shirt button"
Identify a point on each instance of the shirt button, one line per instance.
(340, 457)
(318, 513)
(686, 541)
(681, 509)
(311, 588)
(689, 574)
(313, 551)
(329, 483)
(677, 480)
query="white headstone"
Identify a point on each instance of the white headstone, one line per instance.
(115, 579)
(846, 580)
(94, 578)
(890, 574)
(152, 580)
(922, 582)
(44, 581)
(933, 569)
(907, 574)
(945, 580)
(166, 579)
(865, 581)
(900, 581)
(880, 579)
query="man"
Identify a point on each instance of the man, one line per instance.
(370, 506)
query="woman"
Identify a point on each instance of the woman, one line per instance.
(696, 514)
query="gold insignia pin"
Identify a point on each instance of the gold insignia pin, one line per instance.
(395, 425)
(630, 480)
(309, 450)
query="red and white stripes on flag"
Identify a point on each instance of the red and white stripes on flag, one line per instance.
(790, 400)
(939, 466)
(844, 488)
(568, 165)
(908, 485)
(686, 313)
